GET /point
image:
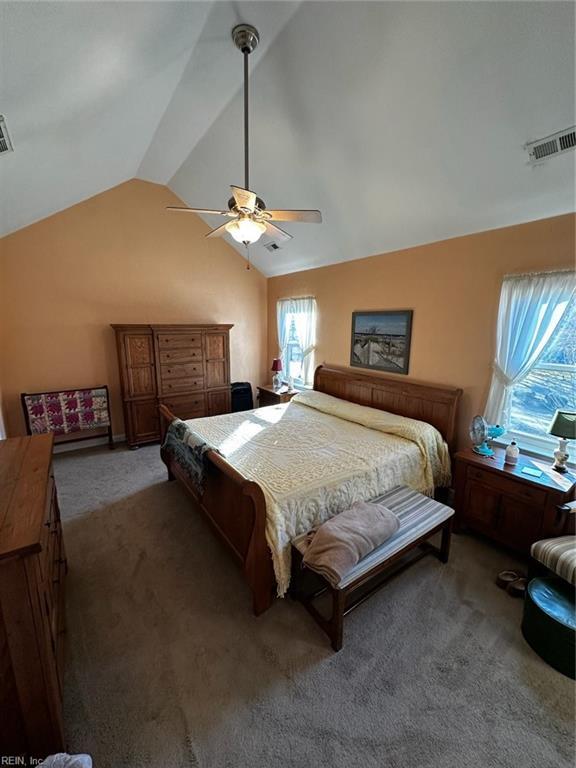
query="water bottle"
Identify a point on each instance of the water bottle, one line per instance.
(512, 453)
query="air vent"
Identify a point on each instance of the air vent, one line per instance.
(5, 143)
(272, 247)
(555, 144)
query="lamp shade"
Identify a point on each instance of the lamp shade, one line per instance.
(563, 425)
(276, 364)
(245, 230)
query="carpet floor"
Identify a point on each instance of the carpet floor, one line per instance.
(167, 668)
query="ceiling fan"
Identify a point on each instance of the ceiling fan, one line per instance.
(249, 217)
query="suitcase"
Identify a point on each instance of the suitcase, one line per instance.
(242, 396)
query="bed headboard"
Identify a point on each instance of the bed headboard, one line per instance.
(434, 403)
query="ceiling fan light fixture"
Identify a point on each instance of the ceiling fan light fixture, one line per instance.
(246, 230)
(250, 217)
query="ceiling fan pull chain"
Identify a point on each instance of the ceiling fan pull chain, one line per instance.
(247, 256)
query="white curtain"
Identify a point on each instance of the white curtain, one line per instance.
(531, 306)
(303, 312)
(305, 322)
(282, 319)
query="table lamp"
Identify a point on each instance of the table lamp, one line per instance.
(563, 426)
(277, 379)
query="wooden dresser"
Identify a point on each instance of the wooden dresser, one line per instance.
(32, 573)
(185, 367)
(508, 506)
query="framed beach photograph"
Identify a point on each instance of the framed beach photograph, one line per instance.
(381, 340)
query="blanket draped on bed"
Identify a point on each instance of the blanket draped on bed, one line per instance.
(188, 449)
(317, 455)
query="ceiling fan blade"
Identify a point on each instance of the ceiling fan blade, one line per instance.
(218, 232)
(275, 232)
(309, 217)
(244, 198)
(197, 210)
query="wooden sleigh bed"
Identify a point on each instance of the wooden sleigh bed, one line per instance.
(236, 507)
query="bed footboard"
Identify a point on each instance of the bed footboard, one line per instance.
(236, 509)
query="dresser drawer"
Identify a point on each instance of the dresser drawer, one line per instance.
(187, 407)
(181, 370)
(191, 355)
(532, 495)
(179, 340)
(188, 355)
(181, 385)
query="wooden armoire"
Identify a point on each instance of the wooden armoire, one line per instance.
(185, 367)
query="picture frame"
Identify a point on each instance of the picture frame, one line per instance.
(381, 340)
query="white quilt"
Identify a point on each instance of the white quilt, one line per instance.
(312, 464)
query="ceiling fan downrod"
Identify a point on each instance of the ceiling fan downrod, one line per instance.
(248, 216)
(246, 38)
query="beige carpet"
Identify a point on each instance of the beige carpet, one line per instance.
(166, 666)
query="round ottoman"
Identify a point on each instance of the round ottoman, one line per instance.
(549, 622)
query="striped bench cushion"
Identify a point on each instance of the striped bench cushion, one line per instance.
(418, 514)
(558, 555)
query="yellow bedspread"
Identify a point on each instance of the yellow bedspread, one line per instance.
(315, 456)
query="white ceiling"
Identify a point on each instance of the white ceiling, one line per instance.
(83, 87)
(403, 122)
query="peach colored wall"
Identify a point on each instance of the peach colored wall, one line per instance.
(453, 287)
(118, 257)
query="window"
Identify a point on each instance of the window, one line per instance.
(535, 362)
(297, 337)
(550, 385)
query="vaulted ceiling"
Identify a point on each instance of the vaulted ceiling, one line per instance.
(404, 122)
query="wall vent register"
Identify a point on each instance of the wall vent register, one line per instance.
(5, 141)
(555, 144)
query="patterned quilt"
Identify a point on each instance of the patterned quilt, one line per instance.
(65, 412)
(188, 450)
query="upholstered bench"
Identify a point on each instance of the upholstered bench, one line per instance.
(420, 518)
(549, 619)
(558, 555)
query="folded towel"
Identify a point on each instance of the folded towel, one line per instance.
(336, 546)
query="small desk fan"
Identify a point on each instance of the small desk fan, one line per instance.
(482, 433)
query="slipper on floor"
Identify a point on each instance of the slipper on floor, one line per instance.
(517, 588)
(505, 578)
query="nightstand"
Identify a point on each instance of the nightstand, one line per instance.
(508, 506)
(267, 395)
